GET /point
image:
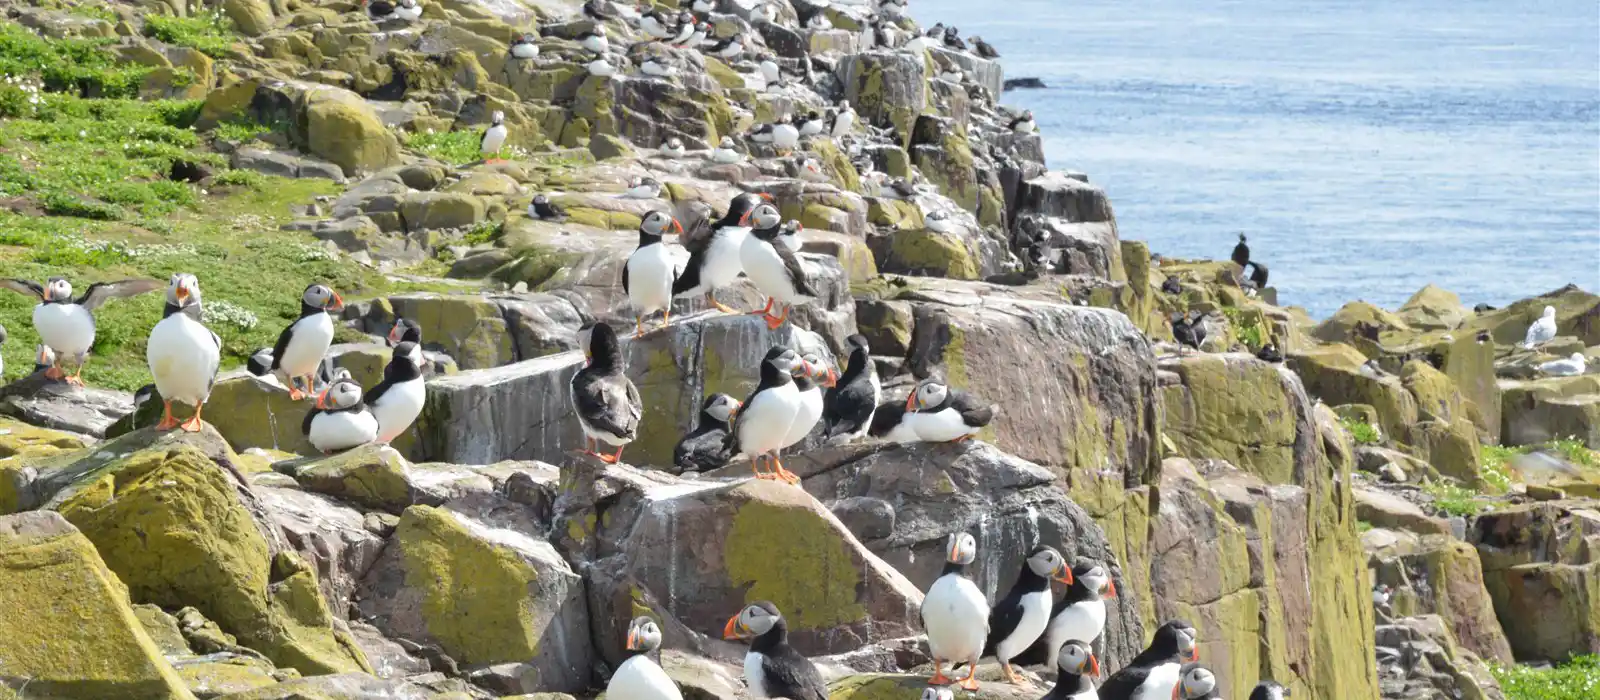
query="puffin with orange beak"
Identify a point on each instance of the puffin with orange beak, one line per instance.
(648, 275)
(182, 353)
(773, 266)
(302, 345)
(1018, 620)
(640, 677)
(772, 668)
(814, 376)
(340, 420)
(1076, 665)
(955, 614)
(764, 419)
(940, 413)
(1080, 615)
(714, 260)
(404, 330)
(66, 324)
(849, 406)
(1157, 671)
(604, 399)
(1195, 682)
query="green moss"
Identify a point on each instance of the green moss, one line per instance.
(1451, 499)
(725, 76)
(788, 554)
(926, 252)
(837, 164)
(370, 476)
(70, 65)
(476, 599)
(1361, 431)
(1234, 410)
(1577, 679)
(447, 146)
(210, 33)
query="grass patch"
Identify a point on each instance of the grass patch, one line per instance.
(1575, 451)
(239, 178)
(1246, 327)
(210, 33)
(1454, 500)
(80, 67)
(240, 132)
(1495, 465)
(484, 232)
(1362, 432)
(1578, 679)
(447, 146)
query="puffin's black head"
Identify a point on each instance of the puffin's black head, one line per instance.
(409, 352)
(720, 407)
(404, 330)
(1077, 659)
(498, 117)
(1095, 578)
(816, 370)
(765, 222)
(321, 298)
(644, 635)
(655, 225)
(600, 345)
(57, 290)
(779, 365)
(739, 207)
(1177, 638)
(1046, 562)
(183, 290)
(1194, 682)
(343, 393)
(1269, 690)
(858, 342)
(755, 620)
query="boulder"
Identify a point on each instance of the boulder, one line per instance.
(333, 537)
(1537, 411)
(251, 17)
(1577, 316)
(71, 631)
(886, 88)
(1435, 574)
(897, 686)
(1333, 373)
(52, 404)
(1081, 248)
(426, 211)
(1541, 568)
(373, 476)
(1342, 326)
(1060, 195)
(1418, 658)
(1237, 408)
(468, 327)
(339, 126)
(346, 685)
(485, 592)
(1386, 510)
(1432, 308)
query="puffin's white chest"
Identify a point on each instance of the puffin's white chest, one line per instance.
(596, 44)
(725, 156)
(1083, 621)
(956, 617)
(525, 51)
(785, 136)
(941, 426)
(308, 341)
(639, 678)
(409, 14)
(183, 359)
(493, 139)
(904, 432)
(67, 328)
(754, 676)
(650, 278)
(723, 260)
(1035, 615)
(764, 421)
(766, 269)
(342, 430)
(806, 416)
(399, 407)
(842, 124)
(1159, 683)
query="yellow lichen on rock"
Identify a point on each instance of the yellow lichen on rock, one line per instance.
(784, 552)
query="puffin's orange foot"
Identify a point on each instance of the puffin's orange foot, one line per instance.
(54, 372)
(765, 310)
(167, 421)
(938, 674)
(1010, 675)
(774, 322)
(295, 394)
(724, 308)
(961, 439)
(789, 476)
(192, 425)
(969, 683)
(75, 380)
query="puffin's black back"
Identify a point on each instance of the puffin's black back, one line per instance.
(1077, 592)
(849, 403)
(1007, 614)
(786, 672)
(1163, 649)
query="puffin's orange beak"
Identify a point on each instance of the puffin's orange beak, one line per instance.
(1111, 589)
(1064, 574)
(1094, 666)
(832, 380)
(322, 398)
(338, 303)
(677, 226)
(911, 401)
(767, 197)
(41, 359)
(394, 334)
(745, 220)
(731, 630)
(633, 640)
(735, 412)
(1177, 689)
(182, 292)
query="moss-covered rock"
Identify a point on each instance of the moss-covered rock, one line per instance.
(1541, 410)
(887, 89)
(1577, 315)
(1333, 373)
(1341, 327)
(899, 213)
(923, 252)
(69, 630)
(423, 211)
(1540, 566)
(1235, 408)
(468, 328)
(896, 686)
(342, 128)
(948, 163)
(17, 442)
(371, 475)
(169, 520)
(210, 679)
(1433, 308)
(251, 17)
(1437, 574)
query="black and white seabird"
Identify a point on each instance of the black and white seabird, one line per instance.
(640, 677)
(408, 10)
(982, 48)
(726, 152)
(812, 124)
(716, 261)
(1195, 682)
(379, 10)
(673, 148)
(655, 25)
(182, 353)
(397, 400)
(849, 406)
(764, 418)
(1269, 690)
(543, 209)
(706, 447)
(814, 376)
(494, 137)
(404, 330)
(1189, 330)
(524, 47)
(1080, 615)
(302, 345)
(843, 120)
(1170, 285)
(66, 324)
(774, 267)
(890, 422)
(1155, 672)
(605, 400)
(1241, 252)
(648, 275)
(952, 39)
(1018, 619)
(340, 420)
(936, 31)
(1024, 124)
(955, 614)
(1075, 664)
(772, 668)
(594, 42)
(944, 414)
(642, 188)
(730, 47)
(1269, 353)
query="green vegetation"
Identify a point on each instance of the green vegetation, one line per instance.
(447, 146)
(484, 232)
(1578, 679)
(1495, 466)
(240, 132)
(1450, 499)
(1362, 432)
(1496, 460)
(77, 66)
(1247, 327)
(210, 33)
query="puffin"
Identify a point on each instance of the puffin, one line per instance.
(818, 22)
(953, 74)
(605, 400)
(1018, 619)
(182, 353)
(983, 49)
(955, 613)
(659, 67)
(404, 330)
(815, 376)
(1075, 663)
(789, 235)
(804, 168)
(66, 324)
(940, 221)
(1270, 353)
(904, 188)
(1080, 615)
(715, 261)
(698, 36)
(673, 148)
(772, 266)
(936, 31)
(397, 400)
(943, 414)
(523, 47)
(764, 418)
(1155, 672)
(705, 448)
(648, 275)
(340, 420)
(843, 121)
(1188, 329)
(889, 424)
(600, 67)
(654, 24)
(642, 188)
(1269, 690)
(952, 39)
(771, 73)
(594, 42)
(1539, 332)
(727, 48)
(1241, 252)
(1258, 274)
(302, 344)
(726, 152)
(1195, 682)
(772, 668)
(408, 10)
(640, 677)
(785, 136)
(542, 209)
(379, 10)
(1171, 285)
(812, 124)
(494, 137)
(686, 26)
(1024, 124)
(850, 405)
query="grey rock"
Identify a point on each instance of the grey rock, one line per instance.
(47, 403)
(331, 536)
(1058, 194)
(869, 518)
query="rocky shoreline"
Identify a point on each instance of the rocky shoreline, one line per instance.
(1262, 498)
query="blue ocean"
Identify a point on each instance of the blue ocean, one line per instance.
(1366, 148)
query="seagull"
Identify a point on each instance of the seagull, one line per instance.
(1543, 330)
(1571, 367)
(1372, 370)
(524, 47)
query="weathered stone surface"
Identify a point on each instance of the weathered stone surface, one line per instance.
(341, 127)
(1333, 373)
(886, 88)
(70, 630)
(1418, 658)
(469, 328)
(1577, 316)
(1239, 409)
(1541, 568)
(1058, 194)
(425, 211)
(894, 686)
(1541, 410)
(484, 591)
(373, 476)
(1383, 509)
(1434, 574)
(329, 535)
(52, 404)
(1432, 308)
